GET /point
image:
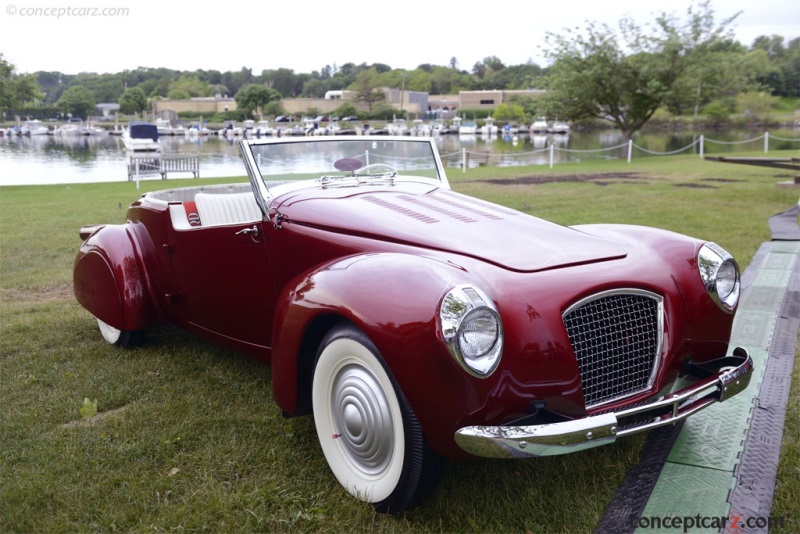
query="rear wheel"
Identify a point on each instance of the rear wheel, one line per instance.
(370, 436)
(120, 338)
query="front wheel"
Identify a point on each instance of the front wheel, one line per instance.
(370, 436)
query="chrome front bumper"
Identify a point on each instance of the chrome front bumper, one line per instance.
(603, 429)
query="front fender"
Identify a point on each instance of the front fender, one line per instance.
(109, 280)
(394, 299)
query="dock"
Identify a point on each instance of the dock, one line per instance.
(793, 164)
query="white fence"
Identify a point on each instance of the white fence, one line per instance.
(466, 158)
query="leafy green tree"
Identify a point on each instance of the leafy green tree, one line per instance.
(236, 80)
(367, 88)
(16, 90)
(345, 110)
(78, 101)
(784, 77)
(273, 109)
(253, 97)
(187, 86)
(132, 101)
(755, 105)
(285, 81)
(509, 112)
(594, 76)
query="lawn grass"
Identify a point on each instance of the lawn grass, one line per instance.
(187, 436)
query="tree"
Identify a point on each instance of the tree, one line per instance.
(367, 88)
(784, 76)
(253, 97)
(187, 86)
(77, 101)
(594, 76)
(755, 105)
(132, 101)
(285, 81)
(16, 90)
(347, 109)
(509, 112)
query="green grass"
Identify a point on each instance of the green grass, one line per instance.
(187, 436)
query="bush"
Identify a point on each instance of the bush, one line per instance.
(717, 111)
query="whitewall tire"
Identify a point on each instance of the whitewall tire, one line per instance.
(115, 336)
(370, 437)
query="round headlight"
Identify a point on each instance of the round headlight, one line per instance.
(472, 330)
(478, 333)
(727, 277)
(720, 275)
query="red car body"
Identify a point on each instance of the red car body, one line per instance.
(384, 254)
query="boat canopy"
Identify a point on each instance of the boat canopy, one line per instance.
(143, 130)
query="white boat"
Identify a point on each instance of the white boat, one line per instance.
(539, 125)
(71, 128)
(141, 137)
(559, 127)
(165, 127)
(490, 128)
(398, 127)
(34, 127)
(263, 128)
(421, 128)
(94, 130)
(439, 128)
(467, 128)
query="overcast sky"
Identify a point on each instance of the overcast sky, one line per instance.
(306, 35)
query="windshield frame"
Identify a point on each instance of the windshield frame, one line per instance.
(269, 192)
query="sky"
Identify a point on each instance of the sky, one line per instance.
(306, 35)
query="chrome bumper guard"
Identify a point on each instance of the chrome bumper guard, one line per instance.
(603, 429)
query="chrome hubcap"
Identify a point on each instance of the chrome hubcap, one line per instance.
(362, 419)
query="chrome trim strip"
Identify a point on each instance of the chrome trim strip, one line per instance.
(603, 429)
(659, 341)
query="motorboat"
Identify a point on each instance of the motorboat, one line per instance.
(398, 127)
(540, 125)
(489, 128)
(263, 128)
(165, 127)
(141, 137)
(34, 127)
(72, 127)
(559, 127)
(468, 128)
(420, 128)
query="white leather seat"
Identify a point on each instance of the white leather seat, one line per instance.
(234, 208)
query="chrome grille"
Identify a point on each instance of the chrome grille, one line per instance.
(616, 337)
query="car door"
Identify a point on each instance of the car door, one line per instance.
(225, 287)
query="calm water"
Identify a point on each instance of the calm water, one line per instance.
(52, 160)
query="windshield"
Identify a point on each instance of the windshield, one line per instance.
(286, 164)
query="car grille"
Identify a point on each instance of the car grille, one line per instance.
(616, 337)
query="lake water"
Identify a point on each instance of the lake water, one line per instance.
(55, 159)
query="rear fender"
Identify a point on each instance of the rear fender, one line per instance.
(110, 281)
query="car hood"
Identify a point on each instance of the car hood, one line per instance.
(446, 221)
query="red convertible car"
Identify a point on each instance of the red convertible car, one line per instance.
(416, 323)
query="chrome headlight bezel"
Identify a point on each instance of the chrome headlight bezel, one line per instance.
(464, 312)
(720, 275)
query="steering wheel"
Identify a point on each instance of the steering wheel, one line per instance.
(376, 169)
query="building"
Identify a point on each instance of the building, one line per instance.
(207, 104)
(492, 98)
(415, 103)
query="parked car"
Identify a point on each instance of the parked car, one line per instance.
(415, 323)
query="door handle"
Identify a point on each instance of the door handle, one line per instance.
(252, 231)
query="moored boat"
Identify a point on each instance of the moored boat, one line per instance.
(141, 137)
